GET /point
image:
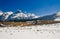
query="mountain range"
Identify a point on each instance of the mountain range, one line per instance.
(16, 16)
(23, 16)
(54, 17)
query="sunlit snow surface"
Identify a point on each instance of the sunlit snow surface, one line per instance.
(49, 31)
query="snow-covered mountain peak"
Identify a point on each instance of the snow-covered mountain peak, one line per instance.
(18, 11)
(9, 13)
(1, 13)
(58, 13)
(32, 14)
(55, 17)
(6, 15)
(18, 15)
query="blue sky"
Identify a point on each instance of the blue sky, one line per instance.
(39, 7)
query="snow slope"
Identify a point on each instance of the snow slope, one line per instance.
(49, 31)
(55, 17)
(58, 16)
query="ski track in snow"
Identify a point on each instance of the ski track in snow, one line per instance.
(49, 31)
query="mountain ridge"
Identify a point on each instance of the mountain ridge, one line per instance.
(16, 16)
(22, 16)
(54, 17)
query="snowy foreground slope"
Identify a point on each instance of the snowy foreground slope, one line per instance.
(48, 31)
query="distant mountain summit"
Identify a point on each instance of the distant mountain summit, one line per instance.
(55, 17)
(16, 16)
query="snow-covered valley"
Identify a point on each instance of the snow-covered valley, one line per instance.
(45, 31)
